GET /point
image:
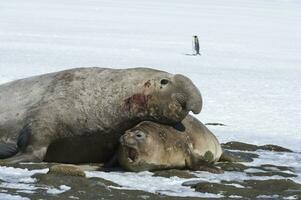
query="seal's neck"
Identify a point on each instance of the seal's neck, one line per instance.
(127, 106)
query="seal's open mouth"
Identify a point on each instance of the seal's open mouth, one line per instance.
(132, 154)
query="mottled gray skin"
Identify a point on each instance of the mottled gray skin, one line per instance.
(84, 111)
(153, 146)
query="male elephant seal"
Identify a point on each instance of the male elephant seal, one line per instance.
(85, 111)
(153, 146)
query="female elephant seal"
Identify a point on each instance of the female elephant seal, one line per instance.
(88, 108)
(153, 146)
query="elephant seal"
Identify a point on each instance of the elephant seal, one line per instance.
(84, 111)
(152, 146)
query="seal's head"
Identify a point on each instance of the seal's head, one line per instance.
(165, 98)
(140, 149)
(175, 96)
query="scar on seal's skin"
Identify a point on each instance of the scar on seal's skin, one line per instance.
(147, 84)
(137, 99)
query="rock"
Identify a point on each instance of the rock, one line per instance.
(174, 172)
(251, 189)
(192, 183)
(231, 166)
(239, 146)
(270, 167)
(251, 147)
(271, 147)
(283, 174)
(273, 186)
(91, 167)
(67, 170)
(239, 156)
(215, 188)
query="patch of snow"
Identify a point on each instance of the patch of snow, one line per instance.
(17, 175)
(21, 186)
(275, 169)
(267, 197)
(291, 197)
(21, 180)
(249, 71)
(235, 185)
(61, 189)
(235, 197)
(231, 176)
(173, 186)
(73, 197)
(253, 170)
(146, 182)
(26, 191)
(4, 196)
(291, 160)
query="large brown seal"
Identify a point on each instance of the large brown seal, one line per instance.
(85, 111)
(153, 146)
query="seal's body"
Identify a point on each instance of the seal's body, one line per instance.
(153, 146)
(90, 106)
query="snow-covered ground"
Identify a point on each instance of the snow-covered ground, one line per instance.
(249, 72)
(173, 186)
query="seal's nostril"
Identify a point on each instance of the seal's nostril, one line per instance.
(181, 99)
(183, 104)
(131, 142)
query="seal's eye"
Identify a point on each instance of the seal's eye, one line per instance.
(164, 81)
(140, 135)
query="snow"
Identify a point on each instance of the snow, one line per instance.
(4, 196)
(145, 181)
(21, 181)
(174, 186)
(249, 72)
(18, 179)
(62, 189)
(17, 175)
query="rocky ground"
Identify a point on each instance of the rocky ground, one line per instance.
(70, 182)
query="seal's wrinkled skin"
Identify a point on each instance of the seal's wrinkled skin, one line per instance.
(153, 146)
(84, 111)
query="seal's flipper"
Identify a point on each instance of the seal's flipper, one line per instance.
(20, 157)
(179, 126)
(203, 163)
(113, 162)
(24, 137)
(8, 150)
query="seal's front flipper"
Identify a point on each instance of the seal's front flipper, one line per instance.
(203, 163)
(24, 137)
(8, 150)
(20, 157)
(179, 126)
(113, 162)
